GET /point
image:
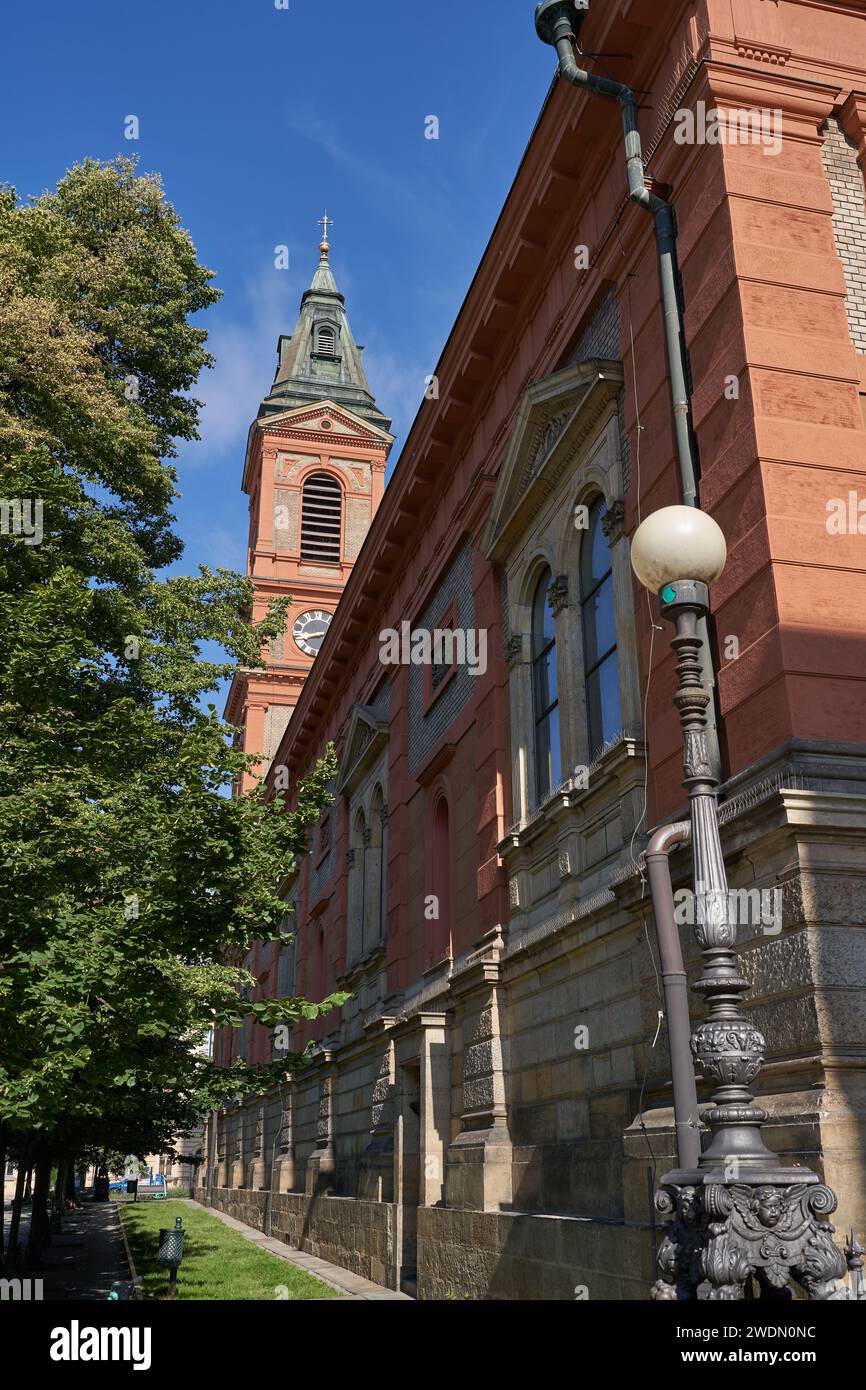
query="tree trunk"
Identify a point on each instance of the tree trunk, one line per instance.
(71, 1194)
(17, 1201)
(40, 1233)
(57, 1199)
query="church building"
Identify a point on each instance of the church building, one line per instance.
(488, 1115)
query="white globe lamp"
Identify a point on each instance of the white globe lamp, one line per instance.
(677, 543)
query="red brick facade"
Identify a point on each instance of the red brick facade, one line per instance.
(777, 390)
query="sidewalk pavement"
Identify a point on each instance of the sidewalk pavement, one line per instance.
(89, 1256)
(352, 1286)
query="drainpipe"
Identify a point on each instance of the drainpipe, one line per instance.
(557, 22)
(675, 990)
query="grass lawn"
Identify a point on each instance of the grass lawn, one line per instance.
(217, 1262)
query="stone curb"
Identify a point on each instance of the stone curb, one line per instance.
(352, 1286)
(137, 1290)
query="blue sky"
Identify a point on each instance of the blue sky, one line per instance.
(257, 118)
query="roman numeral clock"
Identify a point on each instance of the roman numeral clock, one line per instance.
(309, 630)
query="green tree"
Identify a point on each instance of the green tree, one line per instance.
(131, 878)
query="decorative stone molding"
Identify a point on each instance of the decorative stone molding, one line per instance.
(557, 418)
(761, 53)
(613, 521)
(514, 649)
(322, 1163)
(366, 737)
(548, 435)
(557, 594)
(382, 1108)
(323, 1124)
(479, 1160)
(852, 118)
(283, 1178)
(376, 1169)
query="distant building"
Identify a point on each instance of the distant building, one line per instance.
(486, 1117)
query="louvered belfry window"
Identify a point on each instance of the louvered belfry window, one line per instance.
(326, 342)
(321, 516)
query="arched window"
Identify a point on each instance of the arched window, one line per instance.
(285, 954)
(285, 949)
(357, 888)
(326, 340)
(545, 693)
(440, 885)
(375, 871)
(601, 665)
(319, 964)
(321, 519)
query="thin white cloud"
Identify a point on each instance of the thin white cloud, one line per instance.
(219, 547)
(245, 350)
(398, 386)
(389, 188)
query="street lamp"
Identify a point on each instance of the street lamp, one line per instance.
(739, 1214)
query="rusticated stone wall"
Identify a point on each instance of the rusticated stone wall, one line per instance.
(508, 1255)
(532, 1160)
(358, 1236)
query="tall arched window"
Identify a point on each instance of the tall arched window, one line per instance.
(440, 886)
(357, 888)
(326, 340)
(545, 693)
(601, 665)
(375, 871)
(321, 519)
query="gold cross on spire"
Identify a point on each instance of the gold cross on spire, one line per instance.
(325, 222)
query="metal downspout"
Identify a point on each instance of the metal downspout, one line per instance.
(665, 227)
(675, 990)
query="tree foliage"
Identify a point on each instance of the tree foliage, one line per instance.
(130, 877)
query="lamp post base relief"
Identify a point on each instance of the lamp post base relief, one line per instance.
(768, 1228)
(742, 1224)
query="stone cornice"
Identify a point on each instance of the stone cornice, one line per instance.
(623, 758)
(853, 119)
(286, 426)
(805, 102)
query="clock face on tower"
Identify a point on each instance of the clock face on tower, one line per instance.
(309, 630)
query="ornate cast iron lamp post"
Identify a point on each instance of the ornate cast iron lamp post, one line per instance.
(739, 1214)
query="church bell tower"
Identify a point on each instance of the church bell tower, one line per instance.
(315, 474)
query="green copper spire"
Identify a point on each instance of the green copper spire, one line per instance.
(321, 360)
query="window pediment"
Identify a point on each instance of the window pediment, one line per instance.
(556, 417)
(365, 738)
(340, 421)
